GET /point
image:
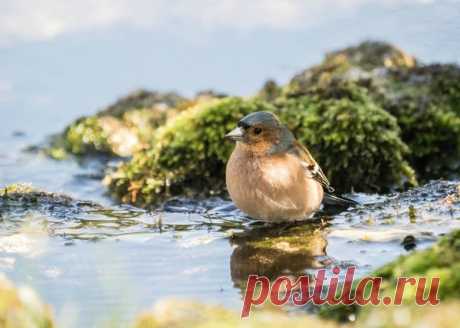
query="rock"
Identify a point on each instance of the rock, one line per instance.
(366, 61)
(270, 91)
(120, 129)
(354, 140)
(141, 99)
(188, 156)
(424, 99)
(189, 153)
(21, 307)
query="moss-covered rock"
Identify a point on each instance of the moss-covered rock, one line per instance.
(426, 102)
(120, 129)
(270, 91)
(362, 64)
(355, 141)
(21, 308)
(189, 153)
(423, 98)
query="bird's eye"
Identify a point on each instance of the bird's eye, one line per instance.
(257, 130)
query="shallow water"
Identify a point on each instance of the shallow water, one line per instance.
(102, 264)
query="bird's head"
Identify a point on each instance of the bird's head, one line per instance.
(262, 132)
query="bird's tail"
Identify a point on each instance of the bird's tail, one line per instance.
(334, 200)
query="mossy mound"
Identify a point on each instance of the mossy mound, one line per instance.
(189, 153)
(362, 63)
(425, 99)
(140, 99)
(188, 156)
(356, 142)
(21, 308)
(426, 102)
(120, 129)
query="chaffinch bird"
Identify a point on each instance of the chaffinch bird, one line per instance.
(270, 176)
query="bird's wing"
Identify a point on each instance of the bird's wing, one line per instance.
(312, 168)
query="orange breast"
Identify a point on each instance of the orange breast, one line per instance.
(272, 188)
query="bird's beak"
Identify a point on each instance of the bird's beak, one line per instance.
(236, 134)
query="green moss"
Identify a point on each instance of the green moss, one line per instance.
(425, 99)
(355, 141)
(21, 308)
(362, 63)
(188, 155)
(119, 130)
(442, 260)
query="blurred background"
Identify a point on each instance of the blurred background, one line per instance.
(60, 60)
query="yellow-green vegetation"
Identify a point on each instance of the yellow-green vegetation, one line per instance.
(426, 102)
(21, 308)
(188, 314)
(26, 194)
(121, 128)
